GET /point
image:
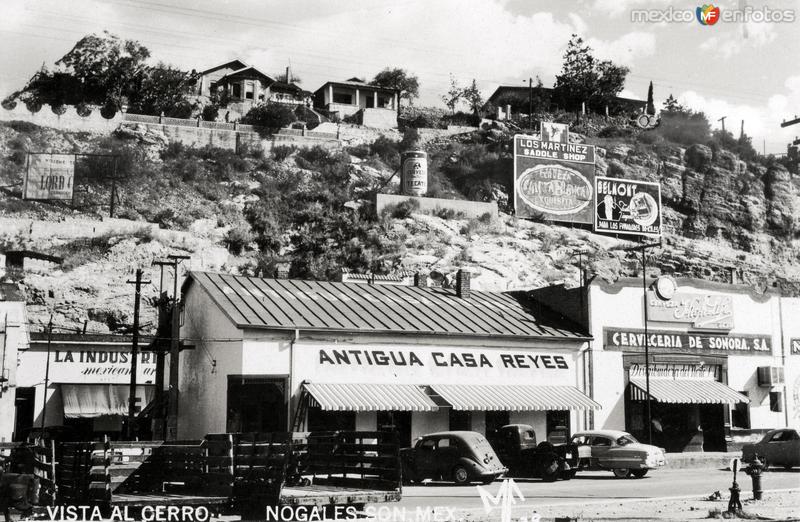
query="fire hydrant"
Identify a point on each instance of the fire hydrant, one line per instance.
(755, 469)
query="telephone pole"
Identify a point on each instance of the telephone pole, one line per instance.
(131, 430)
(174, 352)
(47, 372)
(722, 120)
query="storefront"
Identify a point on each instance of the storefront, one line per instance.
(87, 385)
(13, 339)
(715, 368)
(276, 354)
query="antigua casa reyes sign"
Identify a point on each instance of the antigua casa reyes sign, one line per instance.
(553, 179)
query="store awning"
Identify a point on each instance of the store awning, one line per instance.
(686, 391)
(96, 400)
(514, 397)
(370, 397)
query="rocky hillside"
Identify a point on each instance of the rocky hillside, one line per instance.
(246, 213)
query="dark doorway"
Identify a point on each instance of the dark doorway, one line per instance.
(398, 422)
(712, 422)
(321, 420)
(24, 404)
(557, 426)
(460, 420)
(496, 420)
(256, 404)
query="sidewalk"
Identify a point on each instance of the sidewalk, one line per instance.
(701, 460)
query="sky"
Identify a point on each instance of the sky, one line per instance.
(744, 71)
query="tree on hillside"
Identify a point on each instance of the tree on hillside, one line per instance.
(454, 95)
(270, 115)
(585, 79)
(651, 108)
(472, 95)
(406, 84)
(164, 89)
(671, 105)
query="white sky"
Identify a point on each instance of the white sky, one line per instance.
(748, 73)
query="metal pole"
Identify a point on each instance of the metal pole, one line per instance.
(113, 188)
(47, 370)
(530, 103)
(646, 348)
(174, 354)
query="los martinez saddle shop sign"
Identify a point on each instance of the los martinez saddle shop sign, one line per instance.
(553, 179)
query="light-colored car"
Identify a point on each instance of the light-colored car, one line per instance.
(776, 448)
(616, 451)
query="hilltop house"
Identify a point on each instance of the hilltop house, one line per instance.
(374, 106)
(246, 86)
(516, 99)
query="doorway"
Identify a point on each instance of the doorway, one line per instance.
(557, 426)
(398, 422)
(256, 404)
(24, 405)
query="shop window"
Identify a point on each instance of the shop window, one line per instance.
(740, 414)
(256, 404)
(345, 98)
(249, 89)
(775, 401)
(496, 420)
(398, 422)
(460, 420)
(321, 420)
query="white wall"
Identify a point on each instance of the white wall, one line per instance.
(624, 309)
(13, 338)
(791, 331)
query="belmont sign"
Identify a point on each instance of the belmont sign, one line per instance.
(702, 311)
(633, 340)
(624, 206)
(553, 179)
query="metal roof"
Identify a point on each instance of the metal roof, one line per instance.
(686, 391)
(288, 304)
(370, 397)
(488, 397)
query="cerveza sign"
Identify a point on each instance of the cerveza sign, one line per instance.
(368, 357)
(553, 179)
(100, 366)
(703, 311)
(633, 340)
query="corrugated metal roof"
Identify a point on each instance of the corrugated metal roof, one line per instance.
(287, 304)
(514, 397)
(370, 397)
(686, 391)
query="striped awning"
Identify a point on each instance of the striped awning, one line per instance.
(86, 401)
(686, 391)
(370, 397)
(513, 397)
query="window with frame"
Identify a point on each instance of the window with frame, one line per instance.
(237, 90)
(342, 97)
(740, 414)
(775, 401)
(249, 90)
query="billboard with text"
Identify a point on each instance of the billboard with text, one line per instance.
(49, 176)
(626, 206)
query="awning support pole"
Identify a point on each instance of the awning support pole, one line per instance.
(47, 371)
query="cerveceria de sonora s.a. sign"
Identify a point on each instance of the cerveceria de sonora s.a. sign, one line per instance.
(555, 189)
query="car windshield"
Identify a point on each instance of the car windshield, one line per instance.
(626, 439)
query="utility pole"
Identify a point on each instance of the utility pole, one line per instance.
(47, 372)
(174, 354)
(741, 131)
(131, 430)
(530, 103)
(795, 121)
(723, 122)
(643, 248)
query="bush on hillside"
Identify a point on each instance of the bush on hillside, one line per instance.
(281, 152)
(684, 127)
(270, 115)
(387, 150)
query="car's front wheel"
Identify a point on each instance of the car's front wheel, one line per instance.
(622, 472)
(639, 473)
(460, 475)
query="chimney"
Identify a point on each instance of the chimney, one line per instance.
(288, 76)
(420, 280)
(282, 270)
(462, 284)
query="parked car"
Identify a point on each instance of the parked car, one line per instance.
(460, 456)
(776, 448)
(518, 450)
(618, 452)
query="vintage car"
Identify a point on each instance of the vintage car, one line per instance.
(776, 448)
(460, 456)
(618, 452)
(518, 449)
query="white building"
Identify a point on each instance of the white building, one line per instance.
(277, 354)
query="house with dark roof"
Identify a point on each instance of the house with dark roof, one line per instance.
(517, 99)
(280, 354)
(373, 106)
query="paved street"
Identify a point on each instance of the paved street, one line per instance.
(600, 486)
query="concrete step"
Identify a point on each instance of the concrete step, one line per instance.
(701, 460)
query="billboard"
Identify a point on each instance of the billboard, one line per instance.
(626, 206)
(553, 179)
(49, 176)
